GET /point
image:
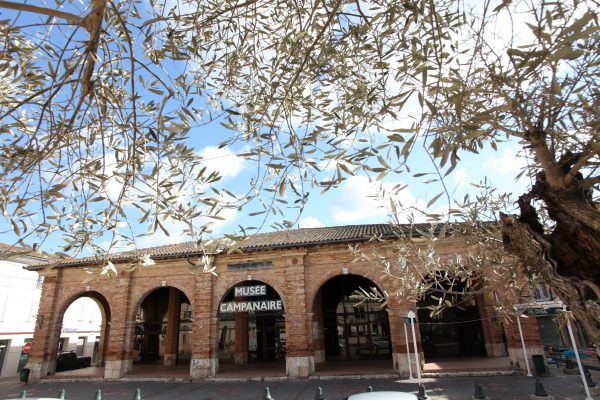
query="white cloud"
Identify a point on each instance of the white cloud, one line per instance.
(310, 222)
(223, 160)
(362, 199)
(508, 163)
(177, 229)
(461, 177)
(159, 238)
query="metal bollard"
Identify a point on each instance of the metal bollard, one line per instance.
(539, 389)
(422, 394)
(319, 394)
(569, 364)
(479, 394)
(369, 388)
(62, 394)
(23, 394)
(268, 394)
(98, 394)
(138, 394)
(588, 377)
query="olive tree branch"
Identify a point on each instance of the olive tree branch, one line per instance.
(70, 18)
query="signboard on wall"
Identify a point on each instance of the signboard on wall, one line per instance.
(247, 306)
(250, 305)
(247, 291)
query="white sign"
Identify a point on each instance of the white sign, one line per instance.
(244, 291)
(246, 306)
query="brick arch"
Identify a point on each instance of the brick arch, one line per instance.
(325, 277)
(96, 294)
(101, 299)
(229, 286)
(140, 299)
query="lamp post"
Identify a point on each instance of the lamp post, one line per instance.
(523, 343)
(408, 351)
(412, 317)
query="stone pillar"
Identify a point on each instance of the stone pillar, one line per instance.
(42, 358)
(240, 354)
(205, 324)
(300, 360)
(318, 338)
(102, 344)
(119, 359)
(104, 334)
(172, 334)
(531, 336)
(396, 314)
(492, 329)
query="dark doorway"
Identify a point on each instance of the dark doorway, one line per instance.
(251, 324)
(454, 332)
(3, 351)
(268, 342)
(354, 328)
(152, 343)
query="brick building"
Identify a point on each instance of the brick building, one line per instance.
(284, 297)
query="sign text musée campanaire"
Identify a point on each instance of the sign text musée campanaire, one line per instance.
(256, 305)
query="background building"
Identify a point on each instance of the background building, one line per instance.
(20, 292)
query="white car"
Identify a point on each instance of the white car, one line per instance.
(383, 396)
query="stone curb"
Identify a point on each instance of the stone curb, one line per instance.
(281, 378)
(470, 373)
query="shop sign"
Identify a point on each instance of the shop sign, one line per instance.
(69, 330)
(26, 347)
(542, 311)
(247, 306)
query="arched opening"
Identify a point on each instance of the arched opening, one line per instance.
(84, 335)
(251, 326)
(353, 328)
(163, 331)
(456, 330)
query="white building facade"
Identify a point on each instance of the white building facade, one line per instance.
(20, 292)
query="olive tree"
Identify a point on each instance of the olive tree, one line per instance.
(544, 93)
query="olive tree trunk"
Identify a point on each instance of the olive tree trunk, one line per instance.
(567, 255)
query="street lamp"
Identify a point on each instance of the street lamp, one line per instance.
(411, 315)
(407, 350)
(581, 371)
(523, 343)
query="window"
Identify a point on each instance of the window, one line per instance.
(80, 349)
(541, 291)
(3, 303)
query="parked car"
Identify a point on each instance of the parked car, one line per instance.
(382, 396)
(69, 360)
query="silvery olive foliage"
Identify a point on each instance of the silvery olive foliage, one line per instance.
(100, 99)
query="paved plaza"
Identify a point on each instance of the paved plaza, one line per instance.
(556, 383)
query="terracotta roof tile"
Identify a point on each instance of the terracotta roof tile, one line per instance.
(261, 241)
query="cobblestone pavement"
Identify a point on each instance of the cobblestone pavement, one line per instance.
(557, 384)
